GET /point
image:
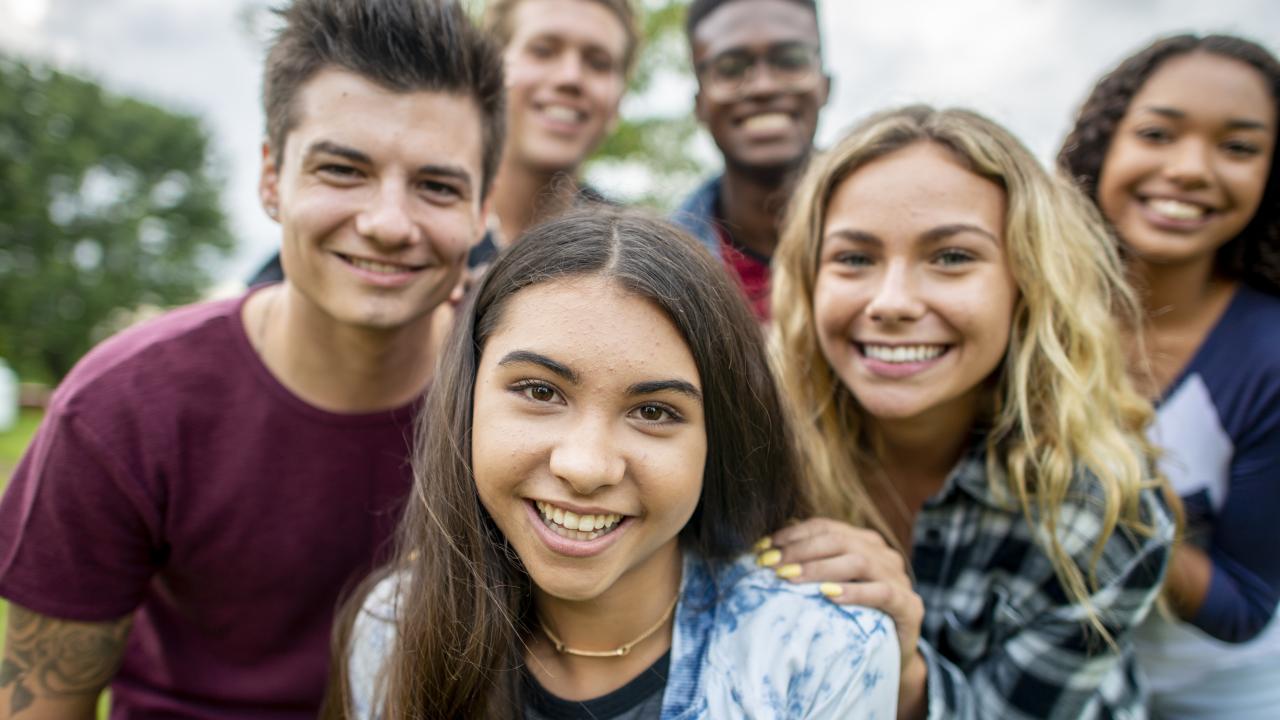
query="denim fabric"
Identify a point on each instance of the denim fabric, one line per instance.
(697, 215)
(745, 645)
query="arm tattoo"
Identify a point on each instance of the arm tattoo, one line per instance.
(58, 659)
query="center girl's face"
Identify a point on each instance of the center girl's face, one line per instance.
(914, 297)
(588, 442)
(1189, 160)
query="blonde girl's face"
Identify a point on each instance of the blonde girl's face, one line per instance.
(914, 297)
(589, 442)
(1189, 160)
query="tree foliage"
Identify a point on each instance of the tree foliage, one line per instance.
(106, 204)
(656, 145)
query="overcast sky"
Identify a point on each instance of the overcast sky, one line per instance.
(1026, 63)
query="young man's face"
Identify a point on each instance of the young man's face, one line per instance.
(760, 82)
(564, 66)
(378, 198)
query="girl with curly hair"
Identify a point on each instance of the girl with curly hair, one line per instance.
(946, 312)
(1176, 146)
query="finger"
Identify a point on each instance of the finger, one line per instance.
(881, 596)
(839, 569)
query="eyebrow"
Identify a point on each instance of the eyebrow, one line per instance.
(516, 357)
(1232, 124)
(328, 147)
(657, 386)
(933, 235)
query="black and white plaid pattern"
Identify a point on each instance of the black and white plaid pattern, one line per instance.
(1000, 636)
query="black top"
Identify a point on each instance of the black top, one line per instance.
(640, 699)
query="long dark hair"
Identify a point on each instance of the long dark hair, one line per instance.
(464, 605)
(1252, 256)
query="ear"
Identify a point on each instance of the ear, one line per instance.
(269, 183)
(824, 90)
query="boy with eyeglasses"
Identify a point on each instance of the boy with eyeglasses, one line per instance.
(760, 87)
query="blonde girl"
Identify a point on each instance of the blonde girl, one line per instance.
(947, 320)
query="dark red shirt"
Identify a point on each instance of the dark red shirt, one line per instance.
(175, 479)
(750, 269)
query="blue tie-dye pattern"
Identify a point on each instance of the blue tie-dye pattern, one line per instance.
(745, 645)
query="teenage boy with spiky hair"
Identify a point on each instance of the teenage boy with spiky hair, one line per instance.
(205, 485)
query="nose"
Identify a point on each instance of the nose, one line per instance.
(1188, 162)
(587, 458)
(386, 219)
(896, 298)
(569, 69)
(760, 79)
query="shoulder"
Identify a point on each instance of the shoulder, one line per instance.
(1134, 554)
(783, 646)
(155, 352)
(373, 636)
(699, 206)
(1247, 339)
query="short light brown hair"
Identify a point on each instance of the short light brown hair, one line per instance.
(498, 22)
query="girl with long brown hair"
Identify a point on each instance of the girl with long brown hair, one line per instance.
(602, 444)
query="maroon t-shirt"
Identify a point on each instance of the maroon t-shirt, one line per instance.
(176, 479)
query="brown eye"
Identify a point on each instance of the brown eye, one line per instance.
(653, 413)
(541, 393)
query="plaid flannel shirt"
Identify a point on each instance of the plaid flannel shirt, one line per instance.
(1001, 637)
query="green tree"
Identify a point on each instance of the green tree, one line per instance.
(106, 204)
(656, 145)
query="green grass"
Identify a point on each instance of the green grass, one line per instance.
(12, 444)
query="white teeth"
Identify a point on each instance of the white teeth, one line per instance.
(378, 267)
(903, 353)
(768, 122)
(562, 113)
(566, 523)
(1176, 209)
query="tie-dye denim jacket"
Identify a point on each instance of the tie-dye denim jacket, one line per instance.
(745, 645)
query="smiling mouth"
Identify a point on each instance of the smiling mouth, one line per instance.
(378, 266)
(1176, 210)
(902, 354)
(563, 113)
(766, 122)
(572, 526)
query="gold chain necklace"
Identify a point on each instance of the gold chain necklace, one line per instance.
(617, 652)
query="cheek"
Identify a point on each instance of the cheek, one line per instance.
(834, 308)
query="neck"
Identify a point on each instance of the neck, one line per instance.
(1175, 294)
(337, 367)
(752, 205)
(525, 196)
(919, 452)
(616, 617)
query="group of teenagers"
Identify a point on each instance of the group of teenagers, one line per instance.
(909, 427)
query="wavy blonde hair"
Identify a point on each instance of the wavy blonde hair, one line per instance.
(1061, 401)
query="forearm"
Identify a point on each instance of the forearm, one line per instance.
(1187, 581)
(55, 669)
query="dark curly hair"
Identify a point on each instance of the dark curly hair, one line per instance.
(1252, 256)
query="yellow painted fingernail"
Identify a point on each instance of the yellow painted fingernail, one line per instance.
(788, 571)
(763, 544)
(769, 558)
(831, 590)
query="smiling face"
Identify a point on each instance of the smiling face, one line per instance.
(378, 198)
(914, 298)
(1189, 160)
(766, 122)
(589, 441)
(565, 77)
